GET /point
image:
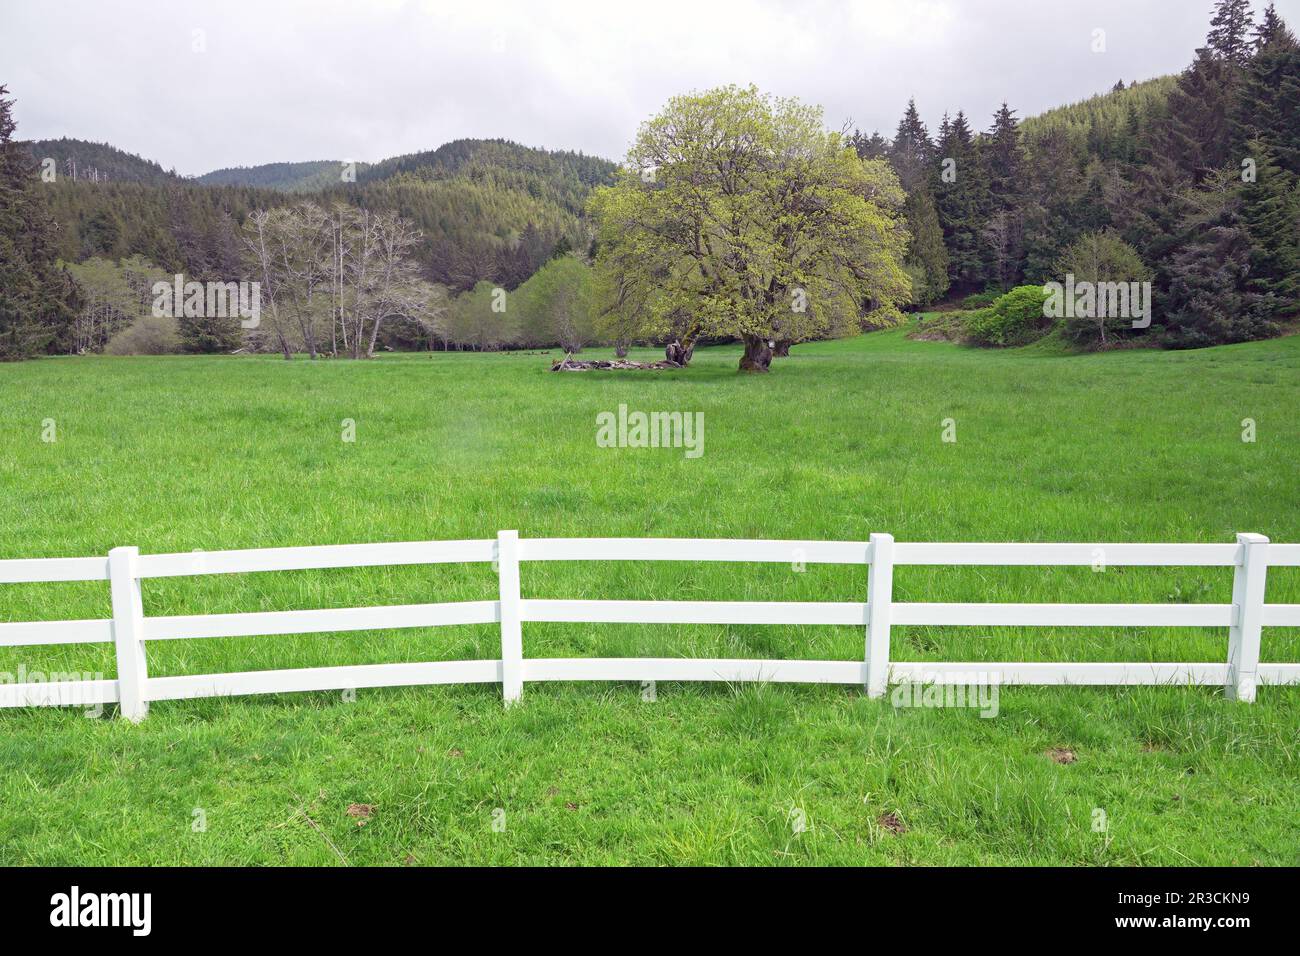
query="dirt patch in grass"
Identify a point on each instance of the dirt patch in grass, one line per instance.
(892, 822)
(361, 812)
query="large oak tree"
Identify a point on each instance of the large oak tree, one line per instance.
(741, 215)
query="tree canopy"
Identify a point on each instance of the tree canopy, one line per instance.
(739, 214)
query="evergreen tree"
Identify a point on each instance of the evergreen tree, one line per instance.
(1209, 301)
(209, 334)
(945, 134)
(1005, 159)
(1097, 145)
(1156, 203)
(961, 196)
(35, 295)
(1091, 211)
(1271, 215)
(562, 248)
(1195, 133)
(1272, 28)
(1132, 133)
(1229, 36)
(927, 258)
(223, 249)
(874, 146)
(1003, 163)
(1267, 105)
(911, 149)
(102, 235)
(1055, 187)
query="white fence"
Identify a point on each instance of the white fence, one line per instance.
(130, 630)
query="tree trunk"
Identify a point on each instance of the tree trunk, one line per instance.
(679, 353)
(681, 350)
(782, 348)
(758, 355)
(620, 350)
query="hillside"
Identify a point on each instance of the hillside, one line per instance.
(489, 209)
(80, 159)
(179, 227)
(563, 176)
(1103, 117)
(286, 177)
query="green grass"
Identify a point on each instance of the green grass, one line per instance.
(843, 438)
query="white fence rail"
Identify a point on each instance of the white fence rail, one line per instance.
(130, 630)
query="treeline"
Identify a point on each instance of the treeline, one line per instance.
(305, 177)
(81, 255)
(37, 298)
(556, 306)
(560, 176)
(181, 228)
(78, 159)
(1197, 175)
(1191, 183)
(479, 223)
(472, 231)
(335, 281)
(338, 280)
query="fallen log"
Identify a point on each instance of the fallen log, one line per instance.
(568, 364)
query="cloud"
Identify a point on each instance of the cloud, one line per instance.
(326, 79)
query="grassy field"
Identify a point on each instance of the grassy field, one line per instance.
(843, 438)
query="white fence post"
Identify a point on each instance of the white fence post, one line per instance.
(1247, 614)
(880, 587)
(512, 638)
(128, 633)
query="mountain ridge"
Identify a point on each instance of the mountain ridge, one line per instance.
(453, 156)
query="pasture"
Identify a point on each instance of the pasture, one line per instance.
(842, 438)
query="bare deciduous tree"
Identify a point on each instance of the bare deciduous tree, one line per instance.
(350, 267)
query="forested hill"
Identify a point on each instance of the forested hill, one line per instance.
(561, 176)
(488, 209)
(1105, 117)
(82, 160)
(288, 177)
(1188, 182)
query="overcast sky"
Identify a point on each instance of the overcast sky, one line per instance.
(203, 85)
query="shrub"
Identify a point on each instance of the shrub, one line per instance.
(1013, 319)
(941, 327)
(1102, 257)
(979, 300)
(147, 335)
